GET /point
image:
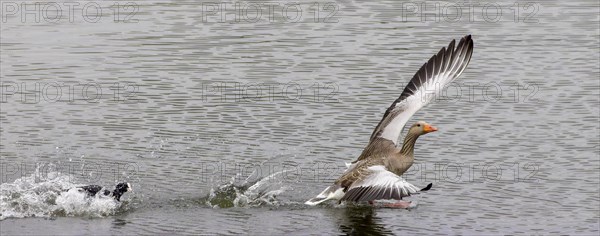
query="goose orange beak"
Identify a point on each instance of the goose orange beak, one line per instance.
(429, 129)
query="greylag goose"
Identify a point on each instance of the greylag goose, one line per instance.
(376, 173)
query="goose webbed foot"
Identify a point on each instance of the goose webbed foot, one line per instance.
(399, 204)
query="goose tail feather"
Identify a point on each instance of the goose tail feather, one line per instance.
(331, 192)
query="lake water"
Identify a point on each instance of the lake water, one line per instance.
(226, 120)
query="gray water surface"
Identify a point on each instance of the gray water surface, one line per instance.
(193, 110)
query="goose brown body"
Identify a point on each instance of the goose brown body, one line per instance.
(385, 154)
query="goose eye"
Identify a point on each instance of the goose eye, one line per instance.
(418, 125)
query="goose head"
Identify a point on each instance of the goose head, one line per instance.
(421, 128)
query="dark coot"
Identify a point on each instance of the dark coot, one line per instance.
(119, 190)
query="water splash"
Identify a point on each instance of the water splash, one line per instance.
(51, 195)
(249, 194)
